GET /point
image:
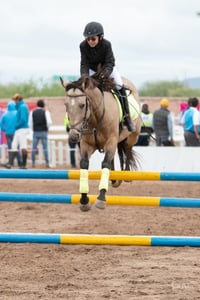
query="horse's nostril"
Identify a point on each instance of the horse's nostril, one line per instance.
(74, 138)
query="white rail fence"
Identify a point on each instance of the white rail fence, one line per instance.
(169, 159)
(58, 148)
(59, 154)
(153, 158)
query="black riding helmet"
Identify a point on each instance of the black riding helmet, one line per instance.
(92, 29)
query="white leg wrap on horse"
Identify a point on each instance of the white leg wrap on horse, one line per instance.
(84, 185)
(105, 173)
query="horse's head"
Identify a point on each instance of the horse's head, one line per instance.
(78, 108)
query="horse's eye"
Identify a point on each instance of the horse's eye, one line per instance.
(81, 105)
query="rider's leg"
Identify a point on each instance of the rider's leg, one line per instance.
(125, 105)
(123, 99)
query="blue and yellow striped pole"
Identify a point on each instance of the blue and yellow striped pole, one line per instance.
(110, 199)
(123, 240)
(114, 175)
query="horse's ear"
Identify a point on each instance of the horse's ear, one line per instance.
(87, 83)
(64, 84)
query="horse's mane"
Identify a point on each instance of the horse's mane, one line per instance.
(96, 80)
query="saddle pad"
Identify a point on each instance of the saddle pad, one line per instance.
(134, 106)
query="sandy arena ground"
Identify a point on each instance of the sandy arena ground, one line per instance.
(47, 271)
(82, 272)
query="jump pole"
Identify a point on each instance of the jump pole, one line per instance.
(114, 175)
(110, 200)
(123, 240)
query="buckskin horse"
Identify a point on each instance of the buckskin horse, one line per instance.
(95, 117)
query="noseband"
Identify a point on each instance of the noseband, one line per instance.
(84, 121)
(85, 130)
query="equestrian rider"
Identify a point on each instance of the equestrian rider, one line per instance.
(95, 51)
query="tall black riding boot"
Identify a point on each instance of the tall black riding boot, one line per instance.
(12, 155)
(24, 159)
(126, 111)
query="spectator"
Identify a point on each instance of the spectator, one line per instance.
(8, 123)
(188, 106)
(182, 109)
(72, 146)
(191, 122)
(163, 124)
(40, 121)
(21, 132)
(146, 129)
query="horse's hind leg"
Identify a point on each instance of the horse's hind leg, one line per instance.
(121, 154)
(115, 183)
(103, 187)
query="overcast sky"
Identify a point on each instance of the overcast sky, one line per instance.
(152, 39)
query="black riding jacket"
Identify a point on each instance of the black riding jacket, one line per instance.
(92, 57)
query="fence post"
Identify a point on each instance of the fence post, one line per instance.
(60, 153)
(3, 153)
(53, 154)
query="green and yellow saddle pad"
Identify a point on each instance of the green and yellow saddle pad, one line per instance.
(134, 106)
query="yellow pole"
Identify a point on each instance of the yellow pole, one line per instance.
(119, 175)
(105, 239)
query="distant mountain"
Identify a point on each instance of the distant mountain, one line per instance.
(193, 83)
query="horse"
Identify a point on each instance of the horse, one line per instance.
(94, 116)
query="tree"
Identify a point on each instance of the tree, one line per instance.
(167, 89)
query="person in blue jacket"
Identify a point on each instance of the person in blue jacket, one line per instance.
(191, 121)
(8, 122)
(21, 131)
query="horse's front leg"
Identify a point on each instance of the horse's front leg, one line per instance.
(103, 185)
(84, 183)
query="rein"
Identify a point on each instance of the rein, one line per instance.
(85, 121)
(95, 130)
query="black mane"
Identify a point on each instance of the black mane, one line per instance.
(104, 84)
(77, 84)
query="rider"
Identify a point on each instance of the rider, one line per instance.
(95, 51)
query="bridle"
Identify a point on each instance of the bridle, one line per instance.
(84, 120)
(85, 130)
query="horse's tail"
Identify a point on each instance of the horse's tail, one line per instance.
(129, 158)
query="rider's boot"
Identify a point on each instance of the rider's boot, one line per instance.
(125, 107)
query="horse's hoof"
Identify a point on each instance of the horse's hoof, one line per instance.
(116, 183)
(85, 207)
(100, 204)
